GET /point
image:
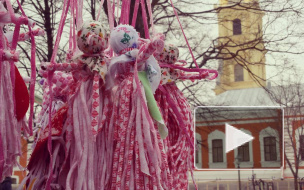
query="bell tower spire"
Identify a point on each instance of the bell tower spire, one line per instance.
(241, 44)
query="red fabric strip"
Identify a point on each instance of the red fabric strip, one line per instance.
(151, 16)
(99, 11)
(66, 6)
(145, 19)
(110, 15)
(135, 13)
(128, 3)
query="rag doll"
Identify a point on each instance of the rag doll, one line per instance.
(137, 128)
(177, 113)
(75, 126)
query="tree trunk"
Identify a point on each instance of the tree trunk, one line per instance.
(93, 9)
(295, 183)
(48, 30)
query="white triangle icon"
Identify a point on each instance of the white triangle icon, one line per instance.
(235, 137)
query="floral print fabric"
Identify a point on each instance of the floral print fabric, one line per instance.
(169, 55)
(169, 75)
(92, 38)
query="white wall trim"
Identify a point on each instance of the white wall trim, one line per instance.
(207, 124)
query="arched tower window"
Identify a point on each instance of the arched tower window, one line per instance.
(238, 73)
(237, 27)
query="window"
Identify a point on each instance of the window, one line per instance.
(270, 152)
(217, 150)
(14, 180)
(270, 147)
(238, 73)
(237, 27)
(243, 153)
(301, 148)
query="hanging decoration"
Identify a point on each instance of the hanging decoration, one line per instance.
(14, 96)
(139, 160)
(112, 116)
(177, 113)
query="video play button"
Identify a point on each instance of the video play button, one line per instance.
(235, 137)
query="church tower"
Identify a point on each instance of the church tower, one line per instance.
(241, 44)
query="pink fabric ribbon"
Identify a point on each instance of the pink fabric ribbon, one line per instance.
(145, 19)
(135, 13)
(27, 35)
(151, 16)
(204, 72)
(179, 116)
(50, 75)
(99, 10)
(126, 50)
(33, 70)
(9, 55)
(110, 15)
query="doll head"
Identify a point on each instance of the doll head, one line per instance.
(92, 38)
(169, 55)
(123, 37)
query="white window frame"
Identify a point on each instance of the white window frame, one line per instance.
(212, 136)
(245, 164)
(266, 133)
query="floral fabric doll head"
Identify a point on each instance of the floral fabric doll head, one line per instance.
(92, 38)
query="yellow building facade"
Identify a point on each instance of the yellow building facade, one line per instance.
(241, 45)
